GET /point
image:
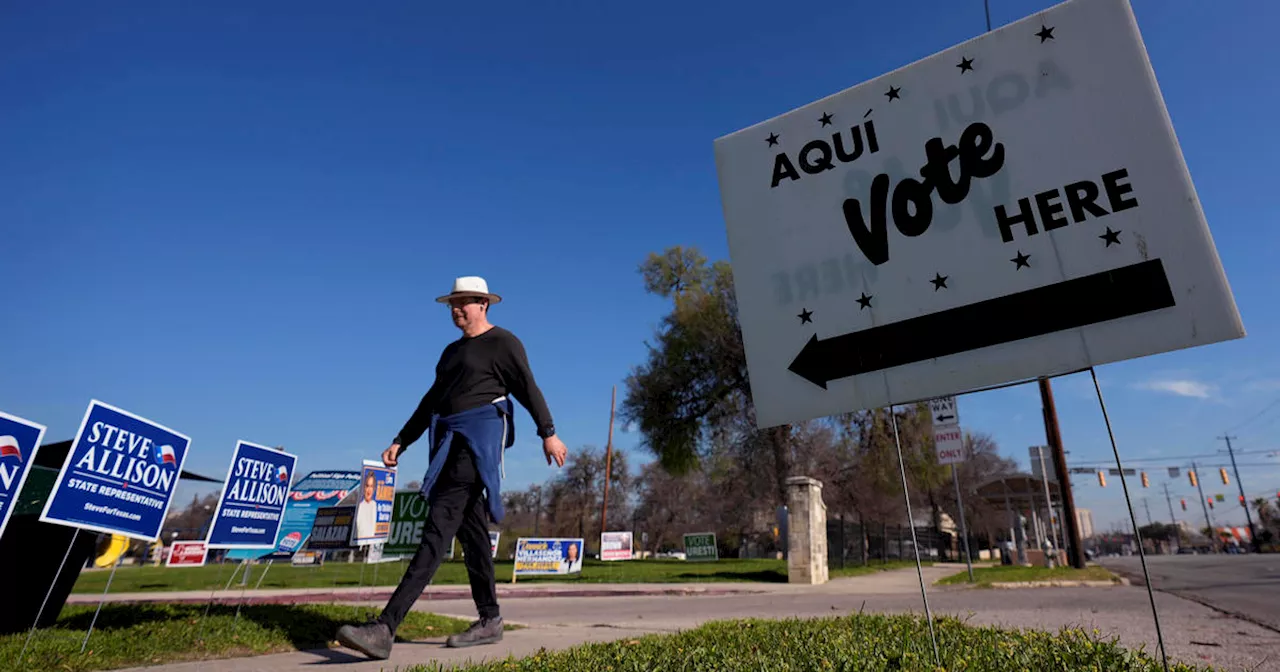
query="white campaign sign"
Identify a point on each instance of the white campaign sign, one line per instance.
(1013, 207)
(949, 442)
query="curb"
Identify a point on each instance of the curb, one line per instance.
(383, 595)
(1121, 581)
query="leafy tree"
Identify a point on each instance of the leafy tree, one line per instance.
(694, 385)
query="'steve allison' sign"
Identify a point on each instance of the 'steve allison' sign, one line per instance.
(1013, 207)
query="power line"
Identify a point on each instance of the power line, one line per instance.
(1257, 415)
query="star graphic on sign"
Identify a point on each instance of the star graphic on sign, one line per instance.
(772, 139)
(939, 281)
(864, 301)
(825, 119)
(806, 316)
(893, 93)
(1022, 260)
(966, 64)
(1112, 237)
(1044, 34)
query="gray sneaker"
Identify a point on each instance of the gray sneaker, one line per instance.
(483, 631)
(371, 639)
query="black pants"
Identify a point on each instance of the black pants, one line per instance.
(457, 507)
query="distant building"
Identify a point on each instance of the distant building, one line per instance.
(1084, 518)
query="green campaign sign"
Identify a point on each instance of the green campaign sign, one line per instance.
(408, 517)
(701, 547)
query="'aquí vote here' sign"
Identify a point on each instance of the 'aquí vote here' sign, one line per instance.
(119, 475)
(1013, 207)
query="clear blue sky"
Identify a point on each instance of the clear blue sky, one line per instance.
(233, 219)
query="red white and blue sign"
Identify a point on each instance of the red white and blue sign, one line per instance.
(253, 498)
(120, 475)
(19, 439)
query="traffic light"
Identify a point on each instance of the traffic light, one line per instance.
(1102, 479)
(1242, 501)
(1210, 502)
(1184, 502)
(1191, 475)
(1145, 482)
(1223, 472)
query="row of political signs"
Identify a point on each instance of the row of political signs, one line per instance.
(120, 475)
(121, 472)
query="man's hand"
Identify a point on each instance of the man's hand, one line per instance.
(390, 455)
(554, 449)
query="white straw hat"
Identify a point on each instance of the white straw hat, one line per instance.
(471, 285)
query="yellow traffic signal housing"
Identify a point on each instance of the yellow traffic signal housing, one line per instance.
(1102, 479)
(1191, 476)
(1145, 482)
(1223, 472)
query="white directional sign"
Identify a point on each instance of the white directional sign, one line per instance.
(1012, 207)
(949, 443)
(944, 411)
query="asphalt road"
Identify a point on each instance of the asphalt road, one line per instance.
(1247, 586)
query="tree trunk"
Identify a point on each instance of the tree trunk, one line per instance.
(779, 439)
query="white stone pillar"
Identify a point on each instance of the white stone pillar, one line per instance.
(806, 531)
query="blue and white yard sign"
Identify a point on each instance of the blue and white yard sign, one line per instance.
(119, 476)
(253, 498)
(19, 439)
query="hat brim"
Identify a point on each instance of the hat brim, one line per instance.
(493, 298)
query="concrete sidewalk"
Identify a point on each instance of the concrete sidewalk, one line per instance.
(1193, 633)
(892, 581)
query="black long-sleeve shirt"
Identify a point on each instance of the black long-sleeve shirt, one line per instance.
(474, 371)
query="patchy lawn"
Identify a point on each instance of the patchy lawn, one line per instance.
(860, 642)
(984, 577)
(150, 634)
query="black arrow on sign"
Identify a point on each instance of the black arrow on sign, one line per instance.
(1109, 295)
(944, 418)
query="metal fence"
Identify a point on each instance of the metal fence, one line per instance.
(850, 544)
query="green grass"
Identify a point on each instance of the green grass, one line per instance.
(343, 574)
(874, 567)
(859, 642)
(985, 576)
(148, 634)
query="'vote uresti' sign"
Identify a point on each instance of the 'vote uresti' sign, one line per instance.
(119, 476)
(253, 498)
(1013, 207)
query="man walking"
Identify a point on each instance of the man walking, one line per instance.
(469, 415)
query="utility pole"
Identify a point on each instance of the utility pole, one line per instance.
(608, 465)
(1169, 499)
(1054, 437)
(1203, 503)
(1147, 506)
(1253, 534)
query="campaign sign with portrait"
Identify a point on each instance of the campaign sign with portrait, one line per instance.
(374, 504)
(541, 555)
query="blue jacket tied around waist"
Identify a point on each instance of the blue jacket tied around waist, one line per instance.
(489, 430)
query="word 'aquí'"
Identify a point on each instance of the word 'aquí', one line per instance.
(912, 199)
(816, 155)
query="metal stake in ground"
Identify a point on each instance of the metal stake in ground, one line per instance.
(964, 528)
(214, 594)
(1133, 518)
(906, 494)
(102, 599)
(40, 613)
